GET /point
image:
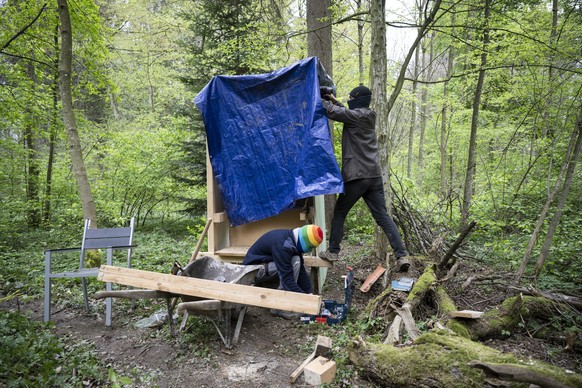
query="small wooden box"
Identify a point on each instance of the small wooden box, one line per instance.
(320, 371)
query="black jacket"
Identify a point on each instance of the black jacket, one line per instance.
(359, 143)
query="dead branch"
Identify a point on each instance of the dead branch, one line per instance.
(574, 302)
(517, 373)
(393, 336)
(455, 246)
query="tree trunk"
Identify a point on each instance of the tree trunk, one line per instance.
(65, 69)
(360, 43)
(412, 116)
(563, 197)
(444, 189)
(32, 166)
(378, 79)
(423, 111)
(319, 45)
(52, 134)
(471, 164)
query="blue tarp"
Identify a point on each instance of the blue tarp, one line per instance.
(268, 140)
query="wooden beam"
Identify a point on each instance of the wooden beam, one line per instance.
(205, 305)
(371, 279)
(466, 314)
(314, 261)
(237, 293)
(132, 294)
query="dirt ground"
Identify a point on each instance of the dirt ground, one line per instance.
(270, 348)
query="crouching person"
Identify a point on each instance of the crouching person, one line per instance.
(280, 251)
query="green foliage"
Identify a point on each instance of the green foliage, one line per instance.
(230, 38)
(32, 356)
(118, 381)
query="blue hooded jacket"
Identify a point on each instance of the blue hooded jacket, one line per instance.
(280, 246)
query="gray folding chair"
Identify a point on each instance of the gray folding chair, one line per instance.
(111, 239)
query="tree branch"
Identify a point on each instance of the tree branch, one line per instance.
(24, 28)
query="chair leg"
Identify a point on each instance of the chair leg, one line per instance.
(47, 298)
(108, 306)
(108, 287)
(85, 298)
(47, 287)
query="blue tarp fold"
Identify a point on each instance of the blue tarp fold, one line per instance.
(268, 140)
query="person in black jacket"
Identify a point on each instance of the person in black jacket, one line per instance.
(281, 253)
(361, 172)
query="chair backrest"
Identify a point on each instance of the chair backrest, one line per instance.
(107, 238)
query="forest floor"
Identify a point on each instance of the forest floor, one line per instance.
(270, 348)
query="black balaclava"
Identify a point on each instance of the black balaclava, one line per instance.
(361, 97)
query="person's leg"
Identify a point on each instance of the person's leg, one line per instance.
(353, 190)
(375, 200)
(295, 263)
(267, 275)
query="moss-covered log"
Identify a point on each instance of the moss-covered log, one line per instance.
(439, 359)
(505, 317)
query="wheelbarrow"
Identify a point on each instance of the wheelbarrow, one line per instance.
(220, 313)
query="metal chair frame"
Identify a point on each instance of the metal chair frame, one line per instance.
(111, 239)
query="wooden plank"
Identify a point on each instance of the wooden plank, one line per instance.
(237, 293)
(219, 217)
(297, 372)
(322, 348)
(204, 305)
(372, 278)
(314, 261)
(466, 314)
(237, 253)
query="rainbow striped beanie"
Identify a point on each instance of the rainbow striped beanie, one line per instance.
(309, 237)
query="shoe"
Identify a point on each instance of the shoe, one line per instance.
(285, 314)
(329, 256)
(402, 264)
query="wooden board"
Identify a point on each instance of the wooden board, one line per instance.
(466, 314)
(372, 278)
(237, 293)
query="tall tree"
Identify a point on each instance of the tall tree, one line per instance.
(411, 131)
(378, 80)
(471, 163)
(444, 114)
(75, 150)
(319, 45)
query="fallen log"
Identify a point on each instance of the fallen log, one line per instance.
(439, 359)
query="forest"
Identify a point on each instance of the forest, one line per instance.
(479, 124)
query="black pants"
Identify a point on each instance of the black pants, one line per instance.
(372, 191)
